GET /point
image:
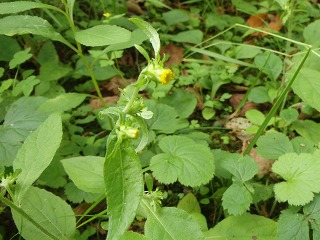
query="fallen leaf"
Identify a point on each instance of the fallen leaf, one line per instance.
(174, 53)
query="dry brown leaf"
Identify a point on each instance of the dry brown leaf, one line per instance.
(174, 53)
(267, 22)
(264, 164)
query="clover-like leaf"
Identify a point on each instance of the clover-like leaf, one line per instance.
(184, 160)
(301, 175)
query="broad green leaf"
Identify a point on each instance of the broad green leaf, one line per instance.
(261, 192)
(190, 204)
(301, 175)
(220, 157)
(102, 35)
(25, 86)
(259, 95)
(242, 168)
(237, 199)
(8, 47)
(292, 226)
(190, 36)
(86, 172)
(243, 227)
(312, 210)
(289, 115)
(20, 57)
(24, 24)
(255, 116)
(273, 144)
(22, 117)
(246, 51)
(48, 210)
(76, 195)
(184, 102)
(21, 6)
(133, 236)
(124, 185)
(54, 175)
(270, 64)
(184, 160)
(301, 145)
(63, 102)
(52, 71)
(150, 32)
(311, 34)
(165, 118)
(36, 153)
(308, 129)
(175, 16)
(307, 86)
(171, 224)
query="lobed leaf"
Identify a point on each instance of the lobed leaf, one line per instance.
(301, 175)
(184, 160)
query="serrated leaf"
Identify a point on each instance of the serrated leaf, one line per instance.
(150, 32)
(24, 24)
(236, 199)
(307, 86)
(243, 227)
(171, 224)
(301, 175)
(21, 119)
(312, 210)
(48, 210)
(102, 35)
(242, 168)
(62, 102)
(86, 172)
(124, 185)
(292, 226)
(36, 153)
(273, 144)
(21, 6)
(184, 160)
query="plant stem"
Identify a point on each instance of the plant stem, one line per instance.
(276, 105)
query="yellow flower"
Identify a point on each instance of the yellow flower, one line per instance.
(166, 76)
(129, 132)
(107, 15)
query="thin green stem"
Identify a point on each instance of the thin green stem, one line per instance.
(91, 207)
(94, 217)
(276, 106)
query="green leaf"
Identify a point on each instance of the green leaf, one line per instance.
(301, 175)
(62, 102)
(190, 36)
(273, 144)
(150, 32)
(48, 210)
(76, 195)
(184, 160)
(36, 153)
(312, 210)
(243, 227)
(54, 175)
(242, 168)
(259, 95)
(165, 118)
(308, 129)
(86, 172)
(22, 118)
(255, 116)
(301, 145)
(102, 35)
(311, 34)
(289, 115)
(292, 226)
(175, 16)
(20, 57)
(246, 51)
(171, 224)
(133, 236)
(237, 199)
(8, 47)
(270, 64)
(307, 86)
(25, 86)
(24, 24)
(124, 185)
(21, 6)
